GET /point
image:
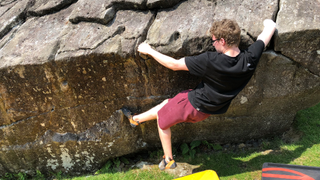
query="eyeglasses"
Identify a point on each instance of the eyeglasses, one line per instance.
(213, 41)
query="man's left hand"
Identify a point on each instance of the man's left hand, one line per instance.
(144, 48)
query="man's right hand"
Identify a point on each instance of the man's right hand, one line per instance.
(268, 30)
(269, 23)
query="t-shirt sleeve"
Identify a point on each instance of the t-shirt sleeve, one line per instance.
(255, 51)
(197, 65)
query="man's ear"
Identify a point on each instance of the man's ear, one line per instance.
(223, 41)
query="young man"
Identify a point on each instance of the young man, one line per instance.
(224, 74)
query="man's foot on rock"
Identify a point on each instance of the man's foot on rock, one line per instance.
(164, 165)
(129, 115)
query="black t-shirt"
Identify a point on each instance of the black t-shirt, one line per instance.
(223, 77)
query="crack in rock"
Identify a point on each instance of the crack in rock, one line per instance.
(7, 2)
(13, 16)
(105, 11)
(8, 37)
(5, 7)
(45, 7)
(120, 35)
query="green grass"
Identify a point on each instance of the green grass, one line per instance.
(153, 173)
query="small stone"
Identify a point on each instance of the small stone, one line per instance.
(243, 100)
(141, 164)
(242, 145)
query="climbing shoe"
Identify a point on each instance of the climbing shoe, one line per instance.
(129, 115)
(164, 165)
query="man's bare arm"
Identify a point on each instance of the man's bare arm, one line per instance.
(164, 60)
(268, 30)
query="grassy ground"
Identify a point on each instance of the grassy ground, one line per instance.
(300, 146)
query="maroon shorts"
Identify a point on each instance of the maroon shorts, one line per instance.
(178, 110)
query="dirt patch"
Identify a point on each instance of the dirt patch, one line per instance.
(292, 136)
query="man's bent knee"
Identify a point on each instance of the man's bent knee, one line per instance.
(165, 101)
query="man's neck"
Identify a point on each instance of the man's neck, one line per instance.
(232, 51)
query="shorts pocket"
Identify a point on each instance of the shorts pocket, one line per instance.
(182, 100)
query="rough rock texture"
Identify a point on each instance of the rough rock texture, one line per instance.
(299, 36)
(68, 66)
(12, 13)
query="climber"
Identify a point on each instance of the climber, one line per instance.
(224, 74)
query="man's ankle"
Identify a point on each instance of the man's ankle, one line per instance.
(168, 159)
(135, 118)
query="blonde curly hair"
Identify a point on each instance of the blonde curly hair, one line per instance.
(227, 29)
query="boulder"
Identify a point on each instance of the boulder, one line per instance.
(161, 3)
(299, 36)
(67, 67)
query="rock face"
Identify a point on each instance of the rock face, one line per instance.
(68, 66)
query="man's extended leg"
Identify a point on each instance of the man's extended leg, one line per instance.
(150, 114)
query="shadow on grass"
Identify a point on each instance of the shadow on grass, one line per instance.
(301, 152)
